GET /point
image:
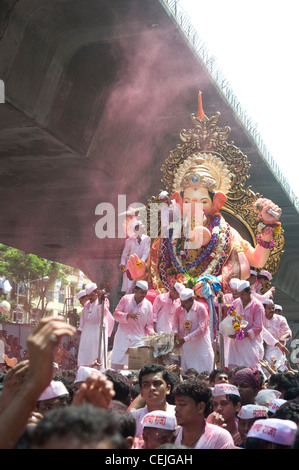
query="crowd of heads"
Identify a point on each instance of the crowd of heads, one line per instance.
(78, 409)
(262, 413)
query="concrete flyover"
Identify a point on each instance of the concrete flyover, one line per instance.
(96, 93)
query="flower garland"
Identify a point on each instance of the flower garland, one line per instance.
(213, 255)
(271, 229)
(268, 245)
(236, 321)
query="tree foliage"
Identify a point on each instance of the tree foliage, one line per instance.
(27, 269)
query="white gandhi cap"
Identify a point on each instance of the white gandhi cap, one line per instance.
(160, 419)
(186, 294)
(142, 285)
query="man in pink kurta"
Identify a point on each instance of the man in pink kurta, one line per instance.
(278, 326)
(134, 313)
(257, 282)
(191, 326)
(247, 351)
(164, 307)
(228, 299)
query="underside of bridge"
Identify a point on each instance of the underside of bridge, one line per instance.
(96, 94)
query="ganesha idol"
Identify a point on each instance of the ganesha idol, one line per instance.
(197, 175)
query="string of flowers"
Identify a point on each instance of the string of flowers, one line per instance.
(205, 253)
(236, 321)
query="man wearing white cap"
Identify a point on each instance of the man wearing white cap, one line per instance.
(278, 309)
(83, 372)
(247, 351)
(134, 314)
(278, 327)
(54, 396)
(226, 405)
(97, 389)
(164, 307)
(191, 326)
(89, 328)
(257, 284)
(82, 297)
(247, 415)
(138, 244)
(274, 405)
(262, 278)
(159, 427)
(228, 298)
(266, 395)
(271, 433)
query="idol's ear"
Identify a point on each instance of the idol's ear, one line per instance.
(177, 197)
(218, 202)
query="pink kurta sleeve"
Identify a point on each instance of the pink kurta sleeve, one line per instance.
(149, 325)
(175, 323)
(268, 338)
(284, 328)
(120, 315)
(257, 321)
(157, 306)
(109, 321)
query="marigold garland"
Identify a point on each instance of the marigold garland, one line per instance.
(236, 321)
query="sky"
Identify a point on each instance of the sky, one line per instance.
(255, 45)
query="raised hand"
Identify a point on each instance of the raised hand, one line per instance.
(98, 391)
(12, 383)
(41, 344)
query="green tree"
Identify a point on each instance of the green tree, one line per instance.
(32, 272)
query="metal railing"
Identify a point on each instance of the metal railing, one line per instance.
(201, 50)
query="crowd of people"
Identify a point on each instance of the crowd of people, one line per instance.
(11, 349)
(233, 400)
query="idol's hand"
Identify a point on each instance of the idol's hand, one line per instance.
(136, 267)
(268, 212)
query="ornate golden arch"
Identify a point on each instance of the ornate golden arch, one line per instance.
(207, 137)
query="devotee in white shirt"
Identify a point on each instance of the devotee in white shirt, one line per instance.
(89, 328)
(138, 244)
